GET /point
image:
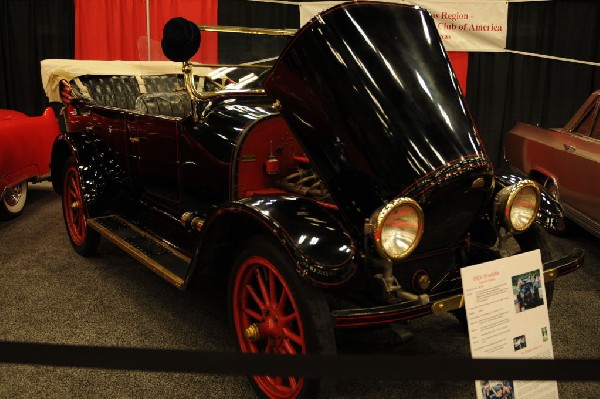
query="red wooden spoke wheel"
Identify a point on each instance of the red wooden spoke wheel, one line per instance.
(267, 320)
(84, 240)
(73, 207)
(274, 311)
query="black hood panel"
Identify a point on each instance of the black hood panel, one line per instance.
(369, 91)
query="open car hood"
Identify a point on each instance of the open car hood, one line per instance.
(370, 94)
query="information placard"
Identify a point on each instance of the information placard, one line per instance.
(507, 314)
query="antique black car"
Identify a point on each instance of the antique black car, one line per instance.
(344, 187)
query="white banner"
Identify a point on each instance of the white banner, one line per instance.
(463, 25)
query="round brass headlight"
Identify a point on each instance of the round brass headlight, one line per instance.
(398, 227)
(519, 204)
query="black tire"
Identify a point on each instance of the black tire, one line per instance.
(13, 202)
(83, 239)
(292, 317)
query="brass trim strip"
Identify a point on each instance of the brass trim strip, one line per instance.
(246, 65)
(448, 304)
(251, 31)
(550, 275)
(197, 223)
(191, 87)
(151, 237)
(139, 256)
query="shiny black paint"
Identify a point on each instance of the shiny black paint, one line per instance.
(385, 112)
(207, 147)
(176, 165)
(97, 167)
(452, 198)
(154, 157)
(223, 119)
(321, 248)
(380, 115)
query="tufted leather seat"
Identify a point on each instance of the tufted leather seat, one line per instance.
(147, 94)
(112, 91)
(167, 104)
(163, 83)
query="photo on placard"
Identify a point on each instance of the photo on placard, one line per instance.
(545, 334)
(527, 291)
(519, 342)
(492, 389)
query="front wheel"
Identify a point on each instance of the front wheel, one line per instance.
(274, 311)
(13, 201)
(84, 240)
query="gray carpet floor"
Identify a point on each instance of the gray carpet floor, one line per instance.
(48, 294)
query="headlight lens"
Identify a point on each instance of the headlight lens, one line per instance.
(519, 204)
(398, 228)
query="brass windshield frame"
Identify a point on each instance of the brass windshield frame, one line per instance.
(251, 31)
(190, 87)
(187, 67)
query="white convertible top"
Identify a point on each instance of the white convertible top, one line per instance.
(54, 70)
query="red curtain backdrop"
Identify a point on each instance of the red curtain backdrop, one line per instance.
(460, 64)
(203, 12)
(109, 29)
(116, 29)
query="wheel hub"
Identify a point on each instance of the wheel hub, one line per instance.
(13, 196)
(270, 327)
(252, 333)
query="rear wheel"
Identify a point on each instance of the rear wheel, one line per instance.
(84, 240)
(274, 311)
(13, 201)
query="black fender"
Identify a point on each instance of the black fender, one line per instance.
(320, 247)
(551, 214)
(95, 165)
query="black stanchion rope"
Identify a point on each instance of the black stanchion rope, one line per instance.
(369, 367)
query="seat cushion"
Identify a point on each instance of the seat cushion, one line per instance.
(166, 104)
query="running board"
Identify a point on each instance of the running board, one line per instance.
(159, 257)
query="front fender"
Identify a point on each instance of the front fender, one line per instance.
(315, 240)
(94, 166)
(551, 215)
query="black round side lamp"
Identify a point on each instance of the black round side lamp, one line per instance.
(181, 39)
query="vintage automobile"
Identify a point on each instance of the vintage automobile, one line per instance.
(25, 148)
(344, 187)
(565, 161)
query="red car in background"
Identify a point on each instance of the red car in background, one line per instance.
(25, 147)
(566, 161)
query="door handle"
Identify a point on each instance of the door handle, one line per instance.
(134, 139)
(569, 147)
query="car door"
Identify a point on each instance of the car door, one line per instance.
(154, 149)
(581, 167)
(110, 125)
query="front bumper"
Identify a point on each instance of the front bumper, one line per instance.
(438, 303)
